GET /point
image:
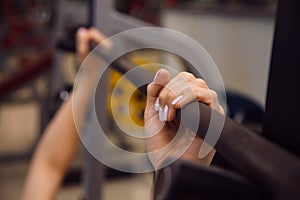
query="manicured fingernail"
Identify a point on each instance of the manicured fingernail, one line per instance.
(156, 105)
(175, 101)
(81, 31)
(166, 111)
(155, 77)
(160, 114)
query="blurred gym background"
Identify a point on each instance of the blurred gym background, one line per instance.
(37, 71)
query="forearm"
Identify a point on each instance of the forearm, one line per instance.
(58, 144)
(52, 156)
(42, 183)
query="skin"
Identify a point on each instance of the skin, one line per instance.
(60, 140)
(162, 132)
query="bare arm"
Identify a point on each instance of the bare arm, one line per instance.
(57, 146)
(52, 156)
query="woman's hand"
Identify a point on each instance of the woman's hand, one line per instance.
(164, 96)
(83, 38)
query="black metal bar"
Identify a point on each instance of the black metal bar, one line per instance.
(274, 169)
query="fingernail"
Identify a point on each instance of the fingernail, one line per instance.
(175, 101)
(155, 77)
(160, 114)
(81, 31)
(156, 105)
(166, 110)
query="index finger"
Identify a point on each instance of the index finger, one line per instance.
(161, 78)
(95, 35)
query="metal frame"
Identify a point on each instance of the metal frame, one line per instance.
(106, 18)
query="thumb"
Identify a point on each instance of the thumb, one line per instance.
(161, 79)
(82, 44)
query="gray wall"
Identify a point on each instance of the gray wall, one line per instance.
(240, 46)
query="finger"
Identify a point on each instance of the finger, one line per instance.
(207, 96)
(161, 78)
(215, 102)
(98, 37)
(95, 35)
(171, 114)
(173, 92)
(178, 85)
(192, 94)
(165, 97)
(82, 44)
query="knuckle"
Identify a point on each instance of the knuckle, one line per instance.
(187, 76)
(93, 29)
(196, 92)
(201, 82)
(162, 97)
(150, 87)
(162, 103)
(213, 94)
(166, 96)
(171, 96)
